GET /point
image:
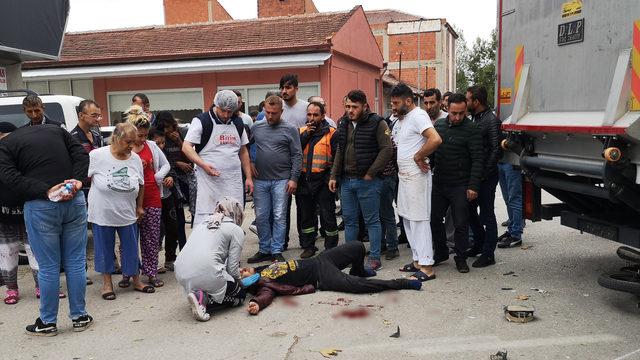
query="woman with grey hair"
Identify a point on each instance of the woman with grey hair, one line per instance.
(208, 267)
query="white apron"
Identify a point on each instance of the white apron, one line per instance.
(222, 153)
(414, 191)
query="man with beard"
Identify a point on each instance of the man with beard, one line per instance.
(415, 139)
(433, 104)
(358, 163)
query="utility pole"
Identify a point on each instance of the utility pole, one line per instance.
(399, 53)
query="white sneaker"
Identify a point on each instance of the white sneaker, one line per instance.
(199, 311)
(253, 228)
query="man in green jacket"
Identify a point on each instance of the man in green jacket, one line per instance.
(457, 171)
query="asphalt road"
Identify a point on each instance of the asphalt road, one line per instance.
(456, 316)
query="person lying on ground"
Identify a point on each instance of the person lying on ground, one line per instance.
(208, 265)
(324, 272)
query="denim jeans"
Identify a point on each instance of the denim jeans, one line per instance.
(270, 198)
(387, 213)
(58, 236)
(511, 186)
(484, 225)
(357, 194)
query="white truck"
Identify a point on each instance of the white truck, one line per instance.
(568, 95)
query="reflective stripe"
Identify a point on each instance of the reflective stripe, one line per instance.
(331, 233)
(308, 230)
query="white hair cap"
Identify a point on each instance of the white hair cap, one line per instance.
(226, 100)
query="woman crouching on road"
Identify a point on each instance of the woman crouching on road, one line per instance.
(115, 205)
(208, 265)
(156, 167)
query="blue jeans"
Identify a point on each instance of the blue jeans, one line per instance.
(357, 194)
(58, 236)
(484, 225)
(104, 240)
(511, 186)
(270, 198)
(387, 213)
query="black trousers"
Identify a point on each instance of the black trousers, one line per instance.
(442, 198)
(331, 262)
(169, 229)
(307, 203)
(233, 297)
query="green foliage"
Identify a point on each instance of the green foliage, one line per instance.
(477, 66)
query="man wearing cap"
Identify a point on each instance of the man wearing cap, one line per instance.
(216, 143)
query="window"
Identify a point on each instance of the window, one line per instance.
(184, 104)
(253, 95)
(80, 88)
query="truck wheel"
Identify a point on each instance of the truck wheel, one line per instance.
(612, 154)
(623, 281)
(629, 254)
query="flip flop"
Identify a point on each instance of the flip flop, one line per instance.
(422, 276)
(409, 268)
(148, 289)
(109, 295)
(124, 283)
(156, 282)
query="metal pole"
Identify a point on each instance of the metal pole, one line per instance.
(419, 26)
(400, 68)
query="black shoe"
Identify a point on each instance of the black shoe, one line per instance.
(461, 264)
(505, 223)
(392, 254)
(483, 261)
(504, 236)
(307, 253)
(278, 258)
(439, 260)
(42, 329)
(82, 323)
(259, 257)
(471, 252)
(402, 239)
(509, 242)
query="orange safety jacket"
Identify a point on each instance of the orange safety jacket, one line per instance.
(320, 158)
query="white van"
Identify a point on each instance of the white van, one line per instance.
(60, 108)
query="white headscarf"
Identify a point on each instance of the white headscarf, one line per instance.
(226, 207)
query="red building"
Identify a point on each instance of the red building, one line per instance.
(180, 67)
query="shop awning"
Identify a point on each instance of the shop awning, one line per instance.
(180, 67)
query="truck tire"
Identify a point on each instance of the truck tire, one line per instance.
(622, 281)
(629, 254)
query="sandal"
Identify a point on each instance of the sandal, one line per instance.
(13, 296)
(409, 268)
(156, 282)
(419, 275)
(124, 283)
(61, 295)
(147, 289)
(109, 295)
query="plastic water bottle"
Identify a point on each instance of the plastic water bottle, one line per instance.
(58, 194)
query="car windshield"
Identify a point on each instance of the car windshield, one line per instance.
(15, 115)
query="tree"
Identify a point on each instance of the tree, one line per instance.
(478, 65)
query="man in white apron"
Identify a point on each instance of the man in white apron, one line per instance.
(220, 154)
(415, 139)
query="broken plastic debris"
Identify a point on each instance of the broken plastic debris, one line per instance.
(328, 353)
(508, 273)
(396, 334)
(541, 291)
(526, 247)
(386, 322)
(507, 288)
(500, 355)
(519, 313)
(522, 297)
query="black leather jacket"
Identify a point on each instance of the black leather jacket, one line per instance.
(491, 136)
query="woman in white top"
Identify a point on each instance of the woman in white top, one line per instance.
(115, 205)
(208, 267)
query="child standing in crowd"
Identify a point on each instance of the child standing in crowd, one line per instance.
(156, 167)
(169, 225)
(115, 205)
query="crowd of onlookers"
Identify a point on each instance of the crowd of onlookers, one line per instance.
(440, 166)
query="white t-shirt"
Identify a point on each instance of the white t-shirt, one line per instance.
(296, 115)
(407, 133)
(246, 119)
(114, 188)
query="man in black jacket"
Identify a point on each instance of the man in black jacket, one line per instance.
(34, 109)
(456, 179)
(36, 162)
(364, 148)
(484, 225)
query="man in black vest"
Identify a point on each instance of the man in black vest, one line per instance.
(364, 147)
